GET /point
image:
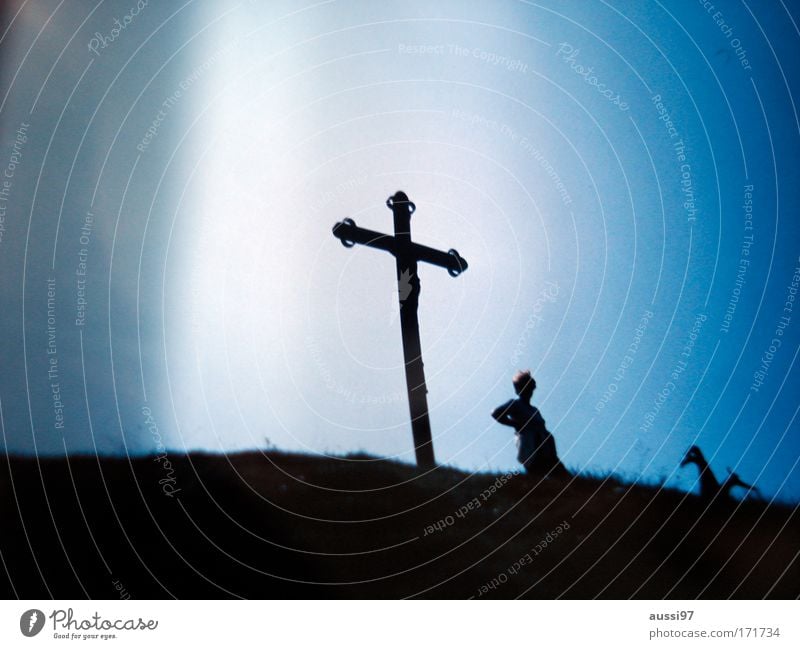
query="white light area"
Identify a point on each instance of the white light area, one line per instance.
(294, 338)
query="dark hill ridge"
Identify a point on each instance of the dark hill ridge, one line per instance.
(280, 525)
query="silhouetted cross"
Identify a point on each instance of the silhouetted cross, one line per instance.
(407, 254)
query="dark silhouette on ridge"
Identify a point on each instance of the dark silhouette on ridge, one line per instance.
(710, 487)
(733, 480)
(536, 445)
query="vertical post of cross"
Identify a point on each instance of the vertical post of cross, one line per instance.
(408, 288)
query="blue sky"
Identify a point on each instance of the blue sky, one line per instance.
(603, 167)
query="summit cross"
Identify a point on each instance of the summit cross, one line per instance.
(407, 254)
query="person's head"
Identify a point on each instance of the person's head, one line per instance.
(524, 384)
(694, 454)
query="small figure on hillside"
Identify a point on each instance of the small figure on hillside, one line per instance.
(733, 480)
(710, 487)
(537, 447)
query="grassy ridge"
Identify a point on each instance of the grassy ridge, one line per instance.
(282, 525)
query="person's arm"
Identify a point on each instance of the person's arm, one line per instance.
(501, 415)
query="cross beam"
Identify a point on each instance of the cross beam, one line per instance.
(407, 254)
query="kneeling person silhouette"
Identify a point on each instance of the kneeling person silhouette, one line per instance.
(536, 445)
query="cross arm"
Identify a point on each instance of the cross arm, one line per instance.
(451, 260)
(350, 234)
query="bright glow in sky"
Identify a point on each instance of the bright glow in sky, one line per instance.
(620, 176)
